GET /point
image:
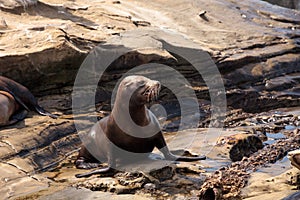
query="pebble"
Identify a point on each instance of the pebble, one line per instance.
(149, 186)
(3, 24)
(202, 13)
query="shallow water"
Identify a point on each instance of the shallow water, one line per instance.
(272, 137)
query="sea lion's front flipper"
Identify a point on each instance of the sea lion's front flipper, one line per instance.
(169, 156)
(104, 170)
(190, 159)
(18, 117)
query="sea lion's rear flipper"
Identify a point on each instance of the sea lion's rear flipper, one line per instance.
(15, 97)
(20, 101)
(42, 111)
(37, 108)
(82, 163)
(23, 96)
(18, 117)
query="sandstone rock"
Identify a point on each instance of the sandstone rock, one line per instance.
(243, 56)
(240, 145)
(15, 182)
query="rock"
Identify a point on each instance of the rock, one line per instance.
(240, 145)
(294, 157)
(3, 24)
(149, 186)
(70, 36)
(162, 174)
(74, 6)
(122, 183)
(32, 70)
(13, 180)
(228, 181)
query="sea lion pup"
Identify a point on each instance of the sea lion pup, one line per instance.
(15, 101)
(139, 135)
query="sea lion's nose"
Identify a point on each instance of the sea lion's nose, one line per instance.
(157, 84)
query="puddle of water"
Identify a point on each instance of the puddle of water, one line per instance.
(272, 137)
(276, 136)
(212, 165)
(289, 127)
(278, 168)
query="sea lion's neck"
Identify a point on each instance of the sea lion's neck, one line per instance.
(138, 113)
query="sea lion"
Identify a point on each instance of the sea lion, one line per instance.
(139, 135)
(15, 101)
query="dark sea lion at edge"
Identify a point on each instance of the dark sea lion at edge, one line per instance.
(15, 100)
(106, 137)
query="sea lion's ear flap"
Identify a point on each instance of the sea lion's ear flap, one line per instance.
(141, 84)
(127, 84)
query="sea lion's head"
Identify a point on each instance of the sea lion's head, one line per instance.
(139, 89)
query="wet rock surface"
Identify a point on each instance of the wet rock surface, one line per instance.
(254, 44)
(226, 182)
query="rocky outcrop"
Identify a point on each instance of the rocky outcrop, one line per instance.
(240, 145)
(226, 183)
(251, 52)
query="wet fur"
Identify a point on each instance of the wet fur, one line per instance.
(23, 97)
(106, 132)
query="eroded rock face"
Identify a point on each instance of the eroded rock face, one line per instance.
(264, 42)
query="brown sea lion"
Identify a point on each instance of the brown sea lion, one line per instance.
(139, 135)
(15, 101)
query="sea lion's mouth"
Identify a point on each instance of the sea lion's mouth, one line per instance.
(151, 93)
